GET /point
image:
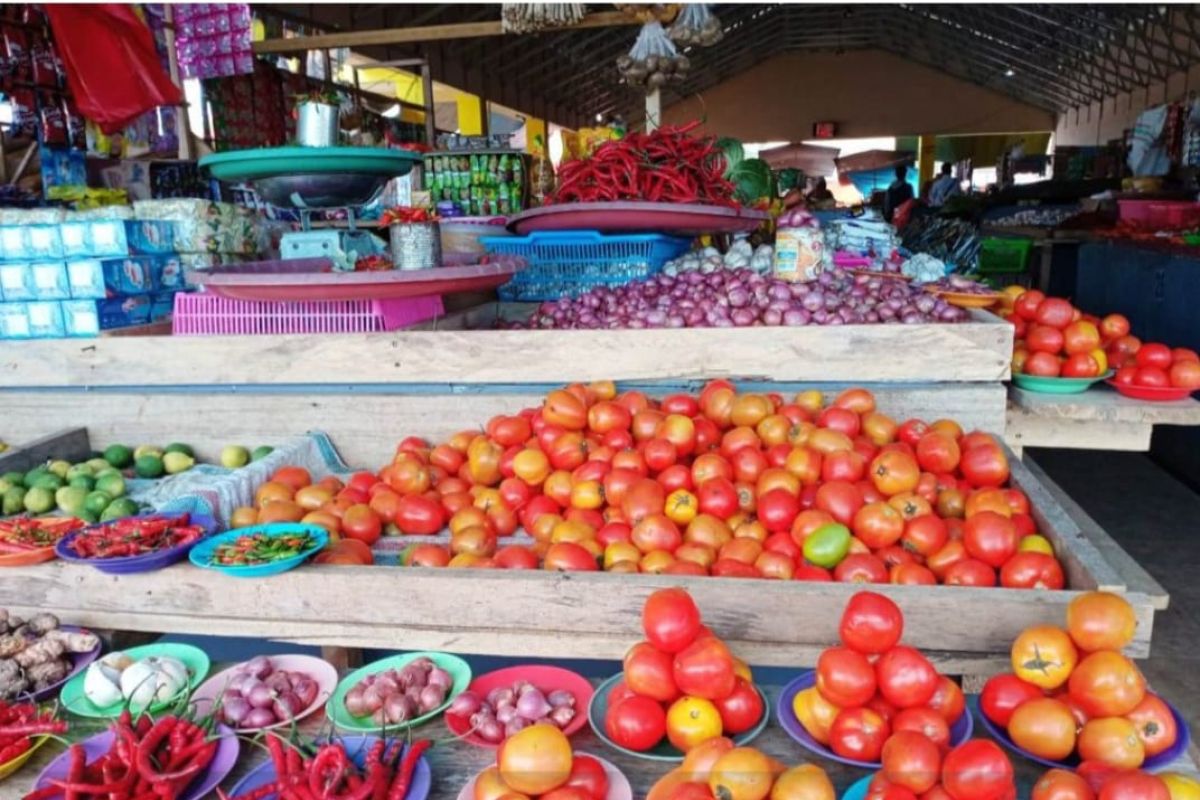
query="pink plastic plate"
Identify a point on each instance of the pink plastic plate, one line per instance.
(318, 669)
(548, 679)
(313, 279)
(630, 215)
(1155, 394)
(618, 784)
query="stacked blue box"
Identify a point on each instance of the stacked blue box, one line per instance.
(90, 317)
(117, 237)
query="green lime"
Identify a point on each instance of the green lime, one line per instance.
(827, 545)
(71, 499)
(80, 470)
(149, 466)
(175, 462)
(83, 482)
(13, 501)
(179, 447)
(121, 507)
(39, 500)
(15, 478)
(96, 502)
(48, 480)
(59, 468)
(118, 455)
(234, 456)
(112, 484)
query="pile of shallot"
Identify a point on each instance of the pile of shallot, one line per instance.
(742, 298)
(508, 709)
(259, 695)
(395, 696)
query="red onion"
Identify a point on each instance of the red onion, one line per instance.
(500, 696)
(261, 696)
(258, 718)
(440, 678)
(491, 731)
(431, 698)
(306, 689)
(795, 316)
(398, 708)
(772, 316)
(259, 667)
(356, 704)
(287, 706)
(532, 705)
(561, 697)
(465, 705)
(562, 716)
(234, 710)
(515, 725)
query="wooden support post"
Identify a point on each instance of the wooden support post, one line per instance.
(427, 96)
(343, 658)
(653, 110)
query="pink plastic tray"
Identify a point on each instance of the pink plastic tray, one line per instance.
(314, 279)
(627, 216)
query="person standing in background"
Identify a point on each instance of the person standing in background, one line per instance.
(945, 187)
(898, 193)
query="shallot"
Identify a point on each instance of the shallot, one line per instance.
(511, 708)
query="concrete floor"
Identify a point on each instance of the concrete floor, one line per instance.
(1153, 516)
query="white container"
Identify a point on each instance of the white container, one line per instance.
(14, 322)
(16, 282)
(50, 280)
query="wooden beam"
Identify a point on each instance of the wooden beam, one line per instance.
(429, 33)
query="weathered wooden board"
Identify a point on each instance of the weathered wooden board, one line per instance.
(1101, 404)
(974, 351)
(1028, 429)
(71, 445)
(366, 427)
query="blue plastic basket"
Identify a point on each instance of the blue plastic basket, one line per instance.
(568, 263)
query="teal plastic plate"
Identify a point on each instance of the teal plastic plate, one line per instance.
(664, 750)
(1038, 383)
(202, 553)
(858, 789)
(270, 162)
(195, 659)
(335, 709)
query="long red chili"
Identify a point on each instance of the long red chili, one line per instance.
(149, 745)
(408, 766)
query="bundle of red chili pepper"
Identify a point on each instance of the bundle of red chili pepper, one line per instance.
(405, 215)
(330, 774)
(146, 760)
(19, 723)
(135, 536)
(374, 263)
(666, 166)
(24, 533)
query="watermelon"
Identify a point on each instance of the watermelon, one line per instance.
(733, 152)
(752, 179)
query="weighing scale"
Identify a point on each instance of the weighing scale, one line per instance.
(312, 179)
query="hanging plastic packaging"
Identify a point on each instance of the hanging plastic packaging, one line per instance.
(98, 42)
(696, 25)
(653, 60)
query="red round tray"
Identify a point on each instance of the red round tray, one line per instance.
(625, 216)
(313, 279)
(1158, 394)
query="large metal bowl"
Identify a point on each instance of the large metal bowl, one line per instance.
(320, 191)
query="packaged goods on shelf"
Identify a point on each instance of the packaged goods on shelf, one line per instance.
(96, 278)
(866, 234)
(116, 237)
(477, 184)
(202, 226)
(89, 317)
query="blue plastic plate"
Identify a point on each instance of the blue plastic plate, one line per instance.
(858, 789)
(202, 554)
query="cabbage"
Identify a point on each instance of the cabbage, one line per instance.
(752, 180)
(733, 152)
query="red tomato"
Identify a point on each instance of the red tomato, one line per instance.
(925, 721)
(860, 568)
(870, 624)
(1095, 773)
(705, 669)
(911, 760)
(777, 509)
(969, 572)
(656, 532)
(1185, 374)
(880, 788)
(859, 734)
(1114, 326)
(670, 619)
(516, 556)
(1155, 724)
(717, 496)
(731, 568)
(839, 419)
(977, 770)
(1080, 365)
(990, 537)
(937, 452)
(985, 465)
(905, 677)
(569, 557)
(1183, 354)
(1044, 365)
(1153, 354)
(741, 709)
(649, 671)
(878, 525)
(1027, 304)
(911, 431)
(925, 535)
(1106, 684)
(840, 499)
(418, 515)
(1055, 312)
(811, 572)
(1043, 339)
(912, 575)
(1134, 785)
(659, 454)
(588, 774)
(845, 677)
(1061, 784)
(1081, 337)
(1125, 376)
(636, 723)
(1002, 694)
(1151, 376)
(643, 498)
(1032, 571)
(843, 465)
(948, 700)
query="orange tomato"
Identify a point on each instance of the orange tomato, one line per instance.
(280, 511)
(707, 530)
(749, 409)
(324, 520)
(990, 499)
(296, 478)
(360, 522)
(681, 506)
(894, 472)
(1100, 621)
(696, 553)
(815, 713)
(243, 517)
(692, 721)
(535, 760)
(310, 498)
(1044, 727)
(271, 491)
(1106, 684)
(475, 541)
(803, 782)
(1113, 741)
(655, 562)
(743, 773)
(1044, 656)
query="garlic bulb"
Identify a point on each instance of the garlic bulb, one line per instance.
(153, 680)
(102, 681)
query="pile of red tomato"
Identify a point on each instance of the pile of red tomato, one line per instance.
(875, 698)
(1072, 692)
(1130, 784)
(724, 483)
(1055, 339)
(682, 682)
(977, 769)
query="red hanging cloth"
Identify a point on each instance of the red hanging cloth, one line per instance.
(111, 64)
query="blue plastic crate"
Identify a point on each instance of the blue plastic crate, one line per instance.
(568, 263)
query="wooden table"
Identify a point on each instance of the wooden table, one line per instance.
(1098, 419)
(454, 764)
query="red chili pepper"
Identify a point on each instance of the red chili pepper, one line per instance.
(408, 765)
(149, 744)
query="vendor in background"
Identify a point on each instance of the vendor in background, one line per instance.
(898, 193)
(945, 187)
(819, 194)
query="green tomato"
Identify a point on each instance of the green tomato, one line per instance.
(827, 545)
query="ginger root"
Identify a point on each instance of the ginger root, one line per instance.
(39, 653)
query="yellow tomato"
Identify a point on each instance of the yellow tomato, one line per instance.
(803, 782)
(815, 713)
(1044, 656)
(535, 760)
(1181, 787)
(681, 506)
(742, 670)
(656, 561)
(692, 720)
(1010, 295)
(1035, 543)
(810, 400)
(531, 466)
(620, 551)
(570, 530)
(743, 773)
(1101, 358)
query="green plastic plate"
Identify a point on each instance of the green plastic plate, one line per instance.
(195, 659)
(1038, 383)
(664, 750)
(335, 709)
(269, 162)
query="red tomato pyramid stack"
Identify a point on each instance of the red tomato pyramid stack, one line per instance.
(681, 683)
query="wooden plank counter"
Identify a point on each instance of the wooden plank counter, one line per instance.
(453, 765)
(1098, 419)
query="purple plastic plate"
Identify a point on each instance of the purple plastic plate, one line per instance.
(356, 749)
(96, 746)
(960, 731)
(79, 662)
(625, 216)
(1151, 764)
(313, 279)
(147, 562)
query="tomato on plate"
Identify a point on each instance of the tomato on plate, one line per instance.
(636, 723)
(691, 721)
(924, 721)
(1100, 621)
(588, 774)
(859, 734)
(649, 671)
(1155, 724)
(1112, 740)
(1044, 655)
(1002, 694)
(741, 709)
(815, 713)
(705, 669)
(1045, 727)
(670, 619)
(911, 760)
(1107, 684)
(977, 770)
(871, 623)
(1061, 784)
(1134, 785)
(948, 700)
(845, 677)
(742, 773)
(905, 677)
